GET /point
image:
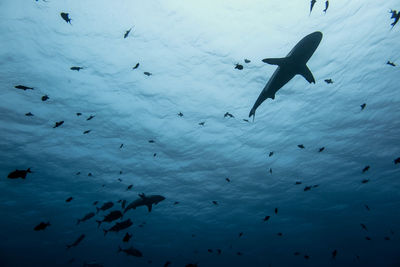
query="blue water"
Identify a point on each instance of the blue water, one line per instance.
(191, 48)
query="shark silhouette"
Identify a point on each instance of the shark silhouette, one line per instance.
(145, 201)
(288, 67)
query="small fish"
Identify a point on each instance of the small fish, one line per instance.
(316, 185)
(90, 117)
(147, 73)
(119, 226)
(363, 106)
(77, 241)
(391, 63)
(129, 187)
(119, 179)
(240, 234)
(306, 257)
(270, 170)
(279, 234)
(136, 66)
(78, 173)
(202, 123)
(301, 146)
(151, 141)
(271, 153)
(297, 182)
(307, 188)
(87, 131)
(90, 174)
(397, 161)
(127, 237)
(334, 253)
(368, 238)
(123, 204)
(366, 168)
(45, 97)
(239, 253)
(105, 206)
(176, 202)
(364, 227)
(386, 238)
(155, 154)
(19, 174)
(247, 60)
(65, 16)
(58, 124)
(296, 253)
(322, 149)
(227, 114)
(312, 5)
(215, 202)
(121, 145)
(167, 263)
(41, 226)
(238, 66)
(127, 33)
(23, 87)
(95, 203)
(131, 251)
(86, 217)
(219, 251)
(78, 114)
(276, 210)
(326, 6)
(29, 114)
(228, 180)
(266, 218)
(364, 181)
(210, 250)
(246, 120)
(76, 68)
(366, 206)
(328, 81)
(69, 199)
(180, 114)
(395, 16)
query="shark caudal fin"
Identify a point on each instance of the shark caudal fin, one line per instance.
(252, 113)
(306, 73)
(275, 61)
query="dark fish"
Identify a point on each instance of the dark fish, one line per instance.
(131, 251)
(397, 161)
(316, 185)
(301, 146)
(129, 187)
(239, 67)
(210, 250)
(364, 181)
(121, 145)
(41, 226)
(322, 149)
(297, 182)
(246, 120)
(23, 87)
(167, 263)
(176, 202)
(271, 153)
(127, 33)
(78, 173)
(112, 216)
(215, 202)
(312, 5)
(69, 199)
(239, 253)
(136, 66)
(127, 237)
(123, 204)
(279, 234)
(396, 17)
(328, 81)
(266, 218)
(147, 73)
(228, 180)
(306, 257)
(180, 114)
(240, 234)
(219, 251)
(119, 179)
(119, 226)
(368, 238)
(366, 168)
(270, 170)
(276, 210)
(363, 106)
(105, 206)
(227, 114)
(366, 206)
(89, 174)
(296, 253)
(78, 114)
(247, 60)
(334, 253)
(45, 97)
(86, 217)
(87, 131)
(326, 6)
(391, 63)
(76, 68)
(202, 123)
(29, 114)
(386, 238)
(90, 117)
(65, 16)
(77, 241)
(145, 201)
(95, 203)
(19, 174)
(307, 188)
(151, 141)
(364, 226)
(58, 124)
(191, 265)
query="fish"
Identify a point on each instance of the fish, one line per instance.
(58, 124)
(112, 216)
(364, 181)
(397, 161)
(136, 66)
(78, 114)
(105, 206)
(65, 17)
(121, 145)
(129, 187)
(176, 202)
(155, 154)
(247, 60)
(219, 251)
(87, 131)
(23, 87)
(321, 149)
(167, 263)
(266, 218)
(215, 202)
(95, 203)
(127, 237)
(366, 168)
(19, 174)
(144, 200)
(119, 226)
(147, 73)
(191, 265)
(326, 6)
(364, 227)
(301, 146)
(202, 123)
(296, 253)
(270, 170)
(367, 207)
(276, 210)
(210, 250)
(45, 97)
(41, 226)
(271, 153)
(127, 33)
(29, 114)
(240, 234)
(307, 188)
(312, 5)
(227, 114)
(77, 241)
(76, 68)
(246, 120)
(238, 66)
(328, 81)
(395, 16)
(69, 199)
(386, 238)
(334, 254)
(363, 106)
(279, 234)
(85, 218)
(228, 180)
(368, 238)
(298, 182)
(239, 253)
(391, 64)
(151, 141)
(180, 114)
(90, 117)
(306, 257)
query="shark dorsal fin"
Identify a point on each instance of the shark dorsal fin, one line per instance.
(275, 61)
(306, 73)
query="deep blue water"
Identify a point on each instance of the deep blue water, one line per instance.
(191, 49)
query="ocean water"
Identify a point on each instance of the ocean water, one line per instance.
(191, 48)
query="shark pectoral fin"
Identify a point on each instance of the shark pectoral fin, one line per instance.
(275, 61)
(149, 207)
(306, 73)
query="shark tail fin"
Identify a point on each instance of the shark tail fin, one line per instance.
(275, 61)
(252, 113)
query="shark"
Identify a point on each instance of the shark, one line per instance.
(145, 201)
(288, 67)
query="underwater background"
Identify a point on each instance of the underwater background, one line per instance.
(161, 128)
